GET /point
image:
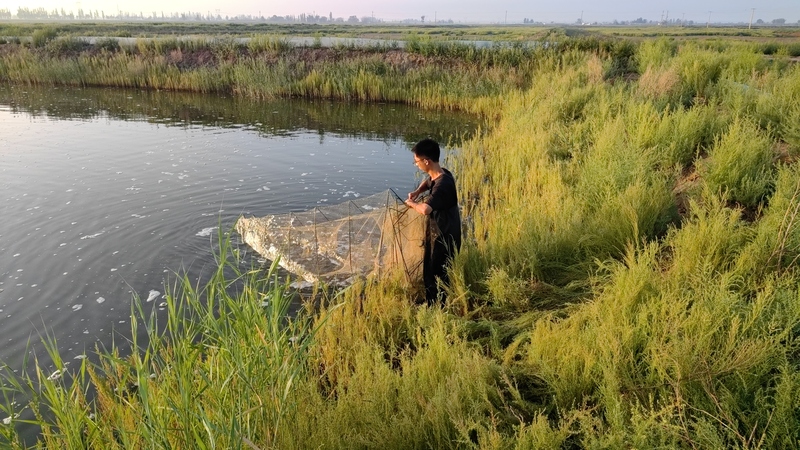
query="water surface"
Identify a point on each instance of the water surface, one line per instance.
(106, 194)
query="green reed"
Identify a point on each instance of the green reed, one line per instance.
(266, 68)
(221, 371)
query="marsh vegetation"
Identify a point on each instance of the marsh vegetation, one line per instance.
(630, 277)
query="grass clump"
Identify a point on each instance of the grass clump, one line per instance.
(42, 36)
(739, 164)
(264, 43)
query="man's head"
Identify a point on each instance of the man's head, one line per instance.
(427, 149)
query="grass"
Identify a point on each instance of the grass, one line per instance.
(267, 69)
(504, 33)
(630, 277)
(220, 371)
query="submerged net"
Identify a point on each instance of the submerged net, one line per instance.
(334, 244)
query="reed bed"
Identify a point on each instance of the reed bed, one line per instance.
(629, 278)
(268, 67)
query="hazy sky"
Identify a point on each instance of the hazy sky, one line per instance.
(457, 10)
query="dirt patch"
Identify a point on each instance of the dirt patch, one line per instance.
(785, 154)
(683, 188)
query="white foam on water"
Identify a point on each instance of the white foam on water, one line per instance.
(153, 295)
(92, 236)
(100, 300)
(77, 307)
(300, 285)
(205, 232)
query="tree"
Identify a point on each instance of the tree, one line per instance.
(352, 19)
(423, 19)
(779, 21)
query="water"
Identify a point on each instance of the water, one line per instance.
(108, 193)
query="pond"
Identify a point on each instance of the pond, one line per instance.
(107, 194)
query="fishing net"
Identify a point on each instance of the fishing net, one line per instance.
(334, 244)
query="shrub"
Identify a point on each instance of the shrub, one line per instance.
(65, 46)
(654, 54)
(108, 44)
(740, 164)
(42, 36)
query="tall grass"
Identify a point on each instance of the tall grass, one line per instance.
(221, 372)
(629, 278)
(269, 68)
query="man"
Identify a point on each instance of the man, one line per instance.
(443, 237)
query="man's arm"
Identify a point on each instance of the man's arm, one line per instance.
(424, 186)
(420, 207)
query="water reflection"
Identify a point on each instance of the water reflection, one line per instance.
(372, 121)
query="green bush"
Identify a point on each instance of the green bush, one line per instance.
(42, 36)
(108, 44)
(64, 46)
(739, 164)
(655, 53)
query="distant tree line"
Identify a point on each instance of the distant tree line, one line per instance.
(643, 21)
(61, 14)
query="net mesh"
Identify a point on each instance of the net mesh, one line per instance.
(360, 237)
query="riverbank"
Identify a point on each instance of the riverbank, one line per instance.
(448, 76)
(630, 276)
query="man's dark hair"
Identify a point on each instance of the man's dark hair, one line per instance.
(427, 148)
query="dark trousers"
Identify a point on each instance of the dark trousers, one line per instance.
(434, 267)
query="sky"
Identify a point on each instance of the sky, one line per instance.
(468, 11)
